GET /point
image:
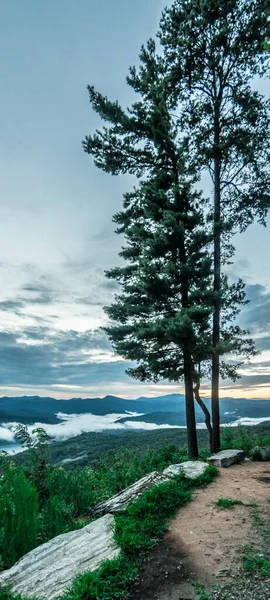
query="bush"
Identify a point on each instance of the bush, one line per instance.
(18, 514)
(243, 438)
(56, 517)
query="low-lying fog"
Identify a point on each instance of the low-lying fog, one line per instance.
(71, 425)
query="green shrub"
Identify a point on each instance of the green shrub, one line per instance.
(80, 487)
(56, 517)
(243, 438)
(18, 514)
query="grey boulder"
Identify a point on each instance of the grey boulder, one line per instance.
(261, 453)
(191, 469)
(226, 458)
(48, 570)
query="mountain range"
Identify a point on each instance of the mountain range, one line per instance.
(169, 409)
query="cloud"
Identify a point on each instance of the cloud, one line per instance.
(38, 293)
(256, 315)
(263, 343)
(72, 425)
(6, 434)
(44, 356)
(11, 305)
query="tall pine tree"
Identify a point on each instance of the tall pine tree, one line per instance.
(213, 50)
(163, 312)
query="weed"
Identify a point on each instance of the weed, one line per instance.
(201, 594)
(257, 520)
(255, 561)
(227, 503)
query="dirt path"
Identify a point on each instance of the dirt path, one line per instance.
(203, 543)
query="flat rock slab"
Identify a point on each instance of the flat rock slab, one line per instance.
(120, 501)
(191, 469)
(47, 571)
(226, 458)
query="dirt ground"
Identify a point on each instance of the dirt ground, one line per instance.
(203, 543)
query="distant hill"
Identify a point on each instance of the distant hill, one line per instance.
(30, 409)
(231, 411)
(169, 409)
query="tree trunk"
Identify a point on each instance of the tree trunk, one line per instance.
(188, 363)
(217, 286)
(207, 416)
(190, 408)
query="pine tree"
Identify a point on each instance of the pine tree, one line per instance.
(213, 50)
(161, 320)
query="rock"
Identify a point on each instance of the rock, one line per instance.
(120, 501)
(259, 453)
(226, 458)
(191, 469)
(265, 453)
(46, 571)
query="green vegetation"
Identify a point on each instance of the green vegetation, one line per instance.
(39, 501)
(201, 594)
(227, 503)
(256, 561)
(248, 439)
(18, 513)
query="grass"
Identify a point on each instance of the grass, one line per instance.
(201, 594)
(227, 503)
(256, 560)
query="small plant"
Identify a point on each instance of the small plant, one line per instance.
(256, 561)
(228, 503)
(257, 520)
(201, 594)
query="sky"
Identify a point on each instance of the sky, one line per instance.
(56, 230)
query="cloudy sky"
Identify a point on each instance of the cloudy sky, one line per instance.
(56, 232)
